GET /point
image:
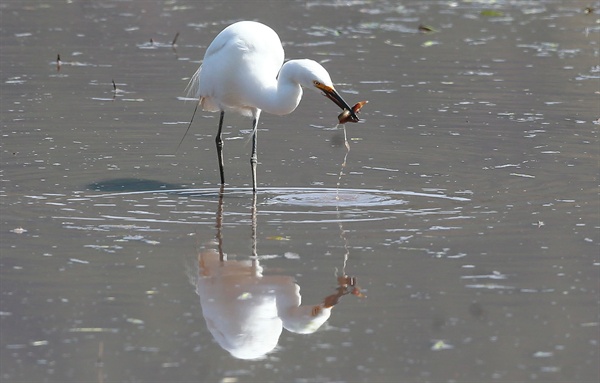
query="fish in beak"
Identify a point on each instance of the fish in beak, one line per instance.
(346, 115)
(334, 96)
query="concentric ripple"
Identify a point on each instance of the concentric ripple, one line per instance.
(332, 197)
(279, 205)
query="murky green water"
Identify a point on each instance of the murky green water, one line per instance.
(466, 209)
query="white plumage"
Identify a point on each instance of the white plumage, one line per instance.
(243, 71)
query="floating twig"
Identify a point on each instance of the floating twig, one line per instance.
(426, 29)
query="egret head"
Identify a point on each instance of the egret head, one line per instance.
(313, 76)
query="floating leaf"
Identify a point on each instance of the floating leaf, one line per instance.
(429, 43)
(491, 13)
(278, 238)
(441, 345)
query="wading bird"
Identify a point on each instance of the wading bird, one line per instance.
(243, 71)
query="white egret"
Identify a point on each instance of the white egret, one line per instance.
(243, 71)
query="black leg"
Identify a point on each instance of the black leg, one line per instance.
(219, 141)
(254, 157)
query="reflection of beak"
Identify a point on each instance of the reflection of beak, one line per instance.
(334, 96)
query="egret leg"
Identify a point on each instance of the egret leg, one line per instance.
(254, 157)
(219, 141)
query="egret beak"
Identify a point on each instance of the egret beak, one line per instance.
(334, 96)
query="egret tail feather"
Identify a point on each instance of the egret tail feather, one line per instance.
(189, 126)
(193, 87)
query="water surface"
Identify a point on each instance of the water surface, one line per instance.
(466, 209)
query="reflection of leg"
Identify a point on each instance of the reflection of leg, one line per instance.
(219, 225)
(254, 224)
(219, 142)
(203, 264)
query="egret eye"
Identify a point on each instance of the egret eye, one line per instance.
(315, 311)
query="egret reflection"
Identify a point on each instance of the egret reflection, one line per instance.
(245, 310)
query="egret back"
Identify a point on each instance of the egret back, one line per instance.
(240, 64)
